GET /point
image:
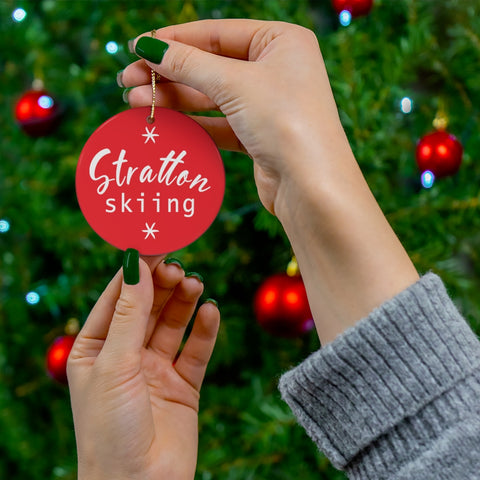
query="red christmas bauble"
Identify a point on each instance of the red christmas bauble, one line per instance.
(37, 113)
(440, 152)
(356, 7)
(281, 306)
(57, 356)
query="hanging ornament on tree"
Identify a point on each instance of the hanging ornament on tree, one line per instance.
(439, 153)
(281, 305)
(59, 350)
(151, 179)
(37, 112)
(348, 9)
(57, 356)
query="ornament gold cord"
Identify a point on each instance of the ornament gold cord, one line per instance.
(151, 118)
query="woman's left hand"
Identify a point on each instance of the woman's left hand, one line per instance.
(134, 403)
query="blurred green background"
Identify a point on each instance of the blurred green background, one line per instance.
(426, 50)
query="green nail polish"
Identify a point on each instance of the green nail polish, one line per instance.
(173, 261)
(211, 300)
(151, 49)
(195, 275)
(120, 79)
(125, 94)
(131, 271)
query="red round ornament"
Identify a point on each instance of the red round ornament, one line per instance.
(57, 356)
(439, 152)
(281, 306)
(37, 113)
(155, 187)
(356, 7)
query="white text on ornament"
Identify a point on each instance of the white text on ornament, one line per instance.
(167, 173)
(126, 204)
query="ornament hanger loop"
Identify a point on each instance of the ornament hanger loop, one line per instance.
(440, 121)
(151, 118)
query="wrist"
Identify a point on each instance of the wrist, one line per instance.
(350, 259)
(316, 175)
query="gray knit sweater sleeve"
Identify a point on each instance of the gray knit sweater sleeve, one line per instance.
(398, 395)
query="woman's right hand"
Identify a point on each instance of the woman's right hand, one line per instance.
(270, 82)
(267, 78)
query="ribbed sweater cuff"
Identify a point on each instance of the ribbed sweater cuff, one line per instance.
(369, 382)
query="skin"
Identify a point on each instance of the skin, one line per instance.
(135, 410)
(270, 82)
(135, 413)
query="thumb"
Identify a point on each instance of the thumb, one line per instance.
(186, 64)
(129, 322)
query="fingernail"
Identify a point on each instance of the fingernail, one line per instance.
(151, 49)
(174, 261)
(120, 79)
(195, 275)
(131, 270)
(125, 94)
(211, 300)
(130, 44)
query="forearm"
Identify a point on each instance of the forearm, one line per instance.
(349, 257)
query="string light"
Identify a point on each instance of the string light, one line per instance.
(19, 15)
(111, 47)
(32, 298)
(45, 101)
(428, 179)
(345, 18)
(406, 105)
(4, 226)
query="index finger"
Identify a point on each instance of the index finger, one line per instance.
(98, 321)
(226, 37)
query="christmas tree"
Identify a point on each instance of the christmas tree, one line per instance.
(393, 71)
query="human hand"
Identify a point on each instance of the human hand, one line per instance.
(267, 78)
(135, 407)
(270, 82)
